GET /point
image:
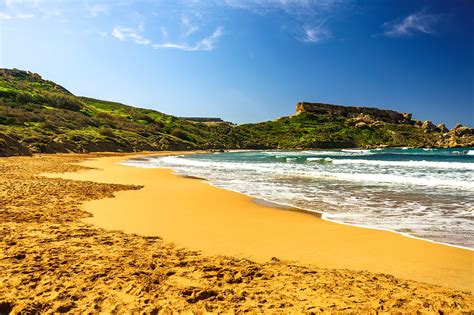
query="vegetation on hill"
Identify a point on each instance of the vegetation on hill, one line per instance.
(38, 115)
(45, 117)
(333, 130)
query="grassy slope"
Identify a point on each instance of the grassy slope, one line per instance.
(45, 117)
(309, 130)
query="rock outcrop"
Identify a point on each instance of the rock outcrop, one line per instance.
(461, 131)
(428, 126)
(384, 115)
(442, 128)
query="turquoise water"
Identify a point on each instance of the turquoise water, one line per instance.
(425, 193)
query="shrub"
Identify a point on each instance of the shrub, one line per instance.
(179, 133)
(7, 120)
(63, 101)
(140, 116)
(107, 132)
(23, 98)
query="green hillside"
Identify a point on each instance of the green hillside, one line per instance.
(45, 117)
(37, 115)
(331, 129)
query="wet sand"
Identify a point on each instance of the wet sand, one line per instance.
(198, 216)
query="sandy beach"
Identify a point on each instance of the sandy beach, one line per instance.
(196, 215)
(158, 242)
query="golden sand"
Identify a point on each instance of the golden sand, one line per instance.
(51, 261)
(199, 216)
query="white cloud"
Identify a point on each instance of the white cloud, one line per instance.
(164, 32)
(20, 16)
(292, 7)
(207, 43)
(27, 9)
(190, 28)
(301, 12)
(124, 33)
(414, 23)
(5, 16)
(315, 33)
(96, 9)
(102, 34)
(51, 13)
(24, 16)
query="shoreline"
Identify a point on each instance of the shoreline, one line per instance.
(332, 250)
(288, 207)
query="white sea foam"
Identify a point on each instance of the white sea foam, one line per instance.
(409, 164)
(337, 153)
(397, 179)
(323, 173)
(356, 151)
(470, 152)
(326, 159)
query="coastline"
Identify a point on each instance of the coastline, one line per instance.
(320, 214)
(215, 221)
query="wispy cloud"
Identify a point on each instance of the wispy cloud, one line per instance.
(419, 22)
(164, 32)
(5, 16)
(134, 34)
(96, 9)
(18, 9)
(189, 27)
(20, 16)
(301, 12)
(124, 33)
(207, 43)
(315, 33)
(292, 7)
(12, 3)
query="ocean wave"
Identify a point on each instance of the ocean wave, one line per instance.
(402, 180)
(344, 152)
(325, 160)
(409, 164)
(470, 152)
(321, 172)
(357, 151)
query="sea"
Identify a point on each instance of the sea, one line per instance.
(422, 193)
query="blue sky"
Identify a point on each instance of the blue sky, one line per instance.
(251, 60)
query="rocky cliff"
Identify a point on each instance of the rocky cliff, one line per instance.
(385, 115)
(369, 118)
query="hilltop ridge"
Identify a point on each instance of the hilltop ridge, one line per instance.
(38, 115)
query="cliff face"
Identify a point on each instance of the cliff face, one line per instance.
(385, 115)
(369, 118)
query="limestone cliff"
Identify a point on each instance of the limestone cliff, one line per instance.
(385, 115)
(375, 118)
